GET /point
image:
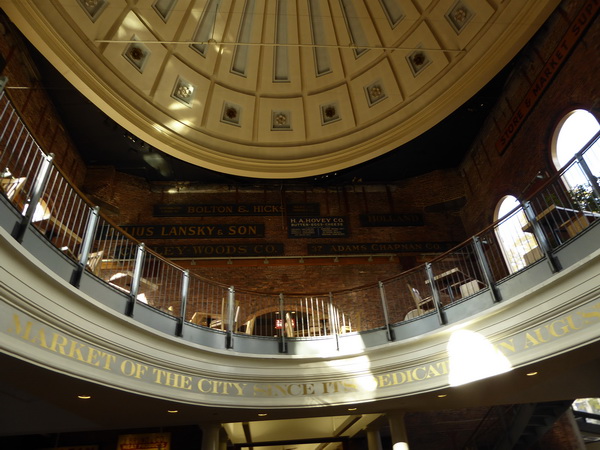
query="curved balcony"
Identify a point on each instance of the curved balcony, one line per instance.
(78, 289)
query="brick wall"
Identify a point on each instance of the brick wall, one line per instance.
(130, 200)
(490, 175)
(26, 91)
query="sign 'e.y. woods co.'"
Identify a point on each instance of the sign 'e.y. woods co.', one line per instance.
(218, 250)
(195, 231)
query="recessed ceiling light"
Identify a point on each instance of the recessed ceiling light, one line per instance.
(442, 395)
(172, 411)
(84, 397)
(530, 374)
(262, 414)
(352, 409)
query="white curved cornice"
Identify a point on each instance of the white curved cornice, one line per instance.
(47, 322)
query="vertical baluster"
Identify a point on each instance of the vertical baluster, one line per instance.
(283, 343)
(317, 313)
(185, 286)
(34, 198)
(388, 327)
(135, 282)
(485, 269)
(540, 236)
(435, 293)
(593, 180)
(203, 306)
(86, 245)
(313, 318)
(19, 152)
(333, 322)
(6, 105)
(14, 128)
(230, 309)
(325, 316)
(306, 318)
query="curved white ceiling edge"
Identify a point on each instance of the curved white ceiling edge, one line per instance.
(47, 322)
(72, 56)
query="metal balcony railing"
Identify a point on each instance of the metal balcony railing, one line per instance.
(48, 202)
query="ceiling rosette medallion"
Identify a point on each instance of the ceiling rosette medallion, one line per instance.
(93, 8)
(137, 54)
(459, 16)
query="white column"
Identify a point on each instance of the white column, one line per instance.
(223, 439)
(210, 436)
(575, 430)
(373, 439)
(398, 431)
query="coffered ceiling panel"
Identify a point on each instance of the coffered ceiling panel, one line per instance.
(278, 88)
(281, 121)
(461, 22)
(375, 93)
(231, 113)
(419, 62)
(333, 114)
(393, 20)
(184, 92)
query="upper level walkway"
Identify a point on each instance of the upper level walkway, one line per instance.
(79, 296)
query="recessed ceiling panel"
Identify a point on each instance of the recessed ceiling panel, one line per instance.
(282, 121)
(183, 93)
(375, 93)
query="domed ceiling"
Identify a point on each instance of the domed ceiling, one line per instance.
(278, 88)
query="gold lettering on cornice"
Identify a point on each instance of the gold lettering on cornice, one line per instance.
(62, 345)
(43, 337)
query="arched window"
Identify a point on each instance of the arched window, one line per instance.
(573, 133)
(519, 248)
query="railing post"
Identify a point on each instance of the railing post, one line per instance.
(593, 179)
(283, 343)
(3, 81)
(230, 322)
(36, 194)
(86, 245)
(435, 293)
(540, 237)
(388, 328)
(185, 284)
(333, 322)
(135, 282)
(484, 265)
